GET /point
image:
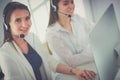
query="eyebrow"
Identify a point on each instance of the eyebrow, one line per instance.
(67, 0)
(25, 17)
(28, 16)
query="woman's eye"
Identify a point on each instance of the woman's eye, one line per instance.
(65, 3)
(28, 18)
(18, 20)
(72, 2)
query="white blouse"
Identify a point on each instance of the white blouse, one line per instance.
(71, 48)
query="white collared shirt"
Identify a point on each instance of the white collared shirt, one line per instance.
(71, 48)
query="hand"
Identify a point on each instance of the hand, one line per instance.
(90, 75)
(84, 74)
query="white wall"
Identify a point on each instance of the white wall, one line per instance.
(94, 9)
(79, 8)
(2, 5)
(40, 18)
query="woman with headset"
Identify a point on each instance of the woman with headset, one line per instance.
(68, 38)
(22, 57)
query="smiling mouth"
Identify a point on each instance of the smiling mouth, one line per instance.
(70, 12)
(24, 31)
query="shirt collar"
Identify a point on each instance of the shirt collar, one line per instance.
(58, 27)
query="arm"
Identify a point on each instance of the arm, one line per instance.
(61, 68)
(81, 74)
(57, 47)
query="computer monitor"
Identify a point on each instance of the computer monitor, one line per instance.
(104, 38)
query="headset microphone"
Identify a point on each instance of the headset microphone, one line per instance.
(68, 15)
(21, 36)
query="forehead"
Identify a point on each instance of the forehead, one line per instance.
(66, 0)
(19, 13)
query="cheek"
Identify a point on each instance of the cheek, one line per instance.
(13, 30)
(73, 6)
(12, 27)
(30, 23)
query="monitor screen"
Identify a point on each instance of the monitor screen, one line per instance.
(104, 38)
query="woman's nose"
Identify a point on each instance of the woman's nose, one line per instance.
(24, 24)
(71, 6)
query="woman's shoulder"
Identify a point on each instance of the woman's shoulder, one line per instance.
(5, 45)
(87, 23)
(5, 48)
(53, 29)
(77, 17)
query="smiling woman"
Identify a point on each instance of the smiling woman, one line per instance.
(68, 39)
(20, 18)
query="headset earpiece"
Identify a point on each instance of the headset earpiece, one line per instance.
(53, 6)
(6, 27)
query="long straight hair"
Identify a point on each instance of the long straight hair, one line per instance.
(53, 11)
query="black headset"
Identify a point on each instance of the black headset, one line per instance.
(6, 27)
(5, 13)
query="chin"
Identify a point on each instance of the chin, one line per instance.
(25, 34)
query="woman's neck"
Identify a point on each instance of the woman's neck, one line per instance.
(65, 23)
(22, 44)
(18, 41)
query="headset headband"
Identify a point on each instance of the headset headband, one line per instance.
(53, 6)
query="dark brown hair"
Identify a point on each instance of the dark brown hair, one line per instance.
(53, 12)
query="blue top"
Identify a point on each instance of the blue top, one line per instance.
(35, 61)
(1, 75)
